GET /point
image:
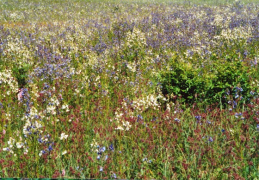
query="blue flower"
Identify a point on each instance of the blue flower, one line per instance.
(114, 176)
(139, 118)
(210, 139)
(257, 127)
(50, 148)
(239, 89)
(111, 147)
(198, 118)
(98, 157)
(209, 122)
(177, 120)
(223, 130)
(252, 93)
(101, 169)
(40, 140)
(101, 150)
(238, 114)
(234, 104)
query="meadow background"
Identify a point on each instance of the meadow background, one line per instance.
(129, 89)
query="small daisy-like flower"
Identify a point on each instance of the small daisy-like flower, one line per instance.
(210, 139)
(63, 136)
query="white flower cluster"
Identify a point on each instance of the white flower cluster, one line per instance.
(132, 66)
(236, 33)
(94, 145)
(139, 106)
(32, 122)
(122, 124)
(6, 78)
(65, 107)
(149, 101)
(135, 39)
(15, 46)
(34, 91)
(51, 107)
(125, 126)
(12, 143)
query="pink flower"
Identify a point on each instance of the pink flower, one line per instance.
(4, 132)
(19, 95)
(63, 172)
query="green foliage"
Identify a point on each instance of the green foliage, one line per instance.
(20, 73)
(209, 84)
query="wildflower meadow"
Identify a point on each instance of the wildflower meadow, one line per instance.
(137, 89)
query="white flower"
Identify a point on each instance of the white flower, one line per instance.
(63, 136)
(65, 107)
(127, 125)
(41, 152)
(25, 151)
(19, 145)
(6, 149)
(11, 142)
(64, 152)
(119, 128)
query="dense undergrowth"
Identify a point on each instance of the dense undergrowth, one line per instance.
(129, 90)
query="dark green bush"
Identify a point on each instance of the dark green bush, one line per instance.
(222, 81)
(20, 73)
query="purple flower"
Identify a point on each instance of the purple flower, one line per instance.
(114, 176)
(101, 150)
(238, 114)
(210, 139)
(198, 118)
(177, 120)
(111, 147)
(50, 148)
(209, 122)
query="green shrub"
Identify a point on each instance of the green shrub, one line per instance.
(221, 82)
(20, 73)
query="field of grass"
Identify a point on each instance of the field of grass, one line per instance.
(138, 89)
